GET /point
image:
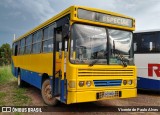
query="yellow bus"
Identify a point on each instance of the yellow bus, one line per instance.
(80, 55)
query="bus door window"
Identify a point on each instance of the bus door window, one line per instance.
(59, 43)
(60, 50)
(65, 53)
(65, 33)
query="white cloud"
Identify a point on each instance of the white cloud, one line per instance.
(40, 10)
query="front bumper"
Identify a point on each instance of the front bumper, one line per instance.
(89, 96)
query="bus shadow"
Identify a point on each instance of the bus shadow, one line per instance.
(148, 92)
(80, 107)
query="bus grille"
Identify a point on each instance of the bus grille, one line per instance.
(105, 72)
(99, 83)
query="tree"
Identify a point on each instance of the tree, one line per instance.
(5, 54)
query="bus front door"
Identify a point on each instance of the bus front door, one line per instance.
(59, 65)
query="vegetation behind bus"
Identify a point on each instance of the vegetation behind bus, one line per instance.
(9, 93)
(5, 54)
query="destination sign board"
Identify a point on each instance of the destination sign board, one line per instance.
(104, 18)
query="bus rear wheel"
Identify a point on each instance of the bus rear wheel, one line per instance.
(19, 80)
(47, 93)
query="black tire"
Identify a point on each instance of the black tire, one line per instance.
(19, 81)
(47, 95)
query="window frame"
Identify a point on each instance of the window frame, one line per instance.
(48, 37)
(36, 42)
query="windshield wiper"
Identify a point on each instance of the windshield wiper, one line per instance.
(121, 57)
(93, 62)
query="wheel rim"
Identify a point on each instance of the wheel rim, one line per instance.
(19, 80)
(48, 93)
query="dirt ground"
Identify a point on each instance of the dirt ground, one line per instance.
(145, 98)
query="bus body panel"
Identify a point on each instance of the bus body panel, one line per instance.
(88, 96)
(44, 64)
(31, 77)
(147, 77)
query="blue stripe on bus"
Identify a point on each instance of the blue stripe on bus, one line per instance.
(100, 83)
(62, 91)
(32, 78)
(149, 84)
(35, 79)
(14, 70)
(57, 86)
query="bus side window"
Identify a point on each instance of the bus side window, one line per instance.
(158, 42)
(148, 43)
(135, 47)
(150, 46)
(13, 49)
(18, 45)
(16, 50)
(48, 44)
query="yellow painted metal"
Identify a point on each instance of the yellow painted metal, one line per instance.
(87, 96)
(85, 93)
(40, 63)
(74, 18)
(62, 65)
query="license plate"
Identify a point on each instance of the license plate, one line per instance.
(109, 93)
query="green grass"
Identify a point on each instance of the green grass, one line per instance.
(19, 97)
(2, 97)
(5, 74)
(10, 94)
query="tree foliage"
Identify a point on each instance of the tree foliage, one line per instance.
(5, 54)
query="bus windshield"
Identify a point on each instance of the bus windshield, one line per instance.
(89, 45)
(120, 45)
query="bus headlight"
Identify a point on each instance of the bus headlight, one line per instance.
(130, 82)
(88, 83)
(124, 82)
(81, 83)
(72, 84)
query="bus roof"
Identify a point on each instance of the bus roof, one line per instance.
(69, 10)
(145, 31)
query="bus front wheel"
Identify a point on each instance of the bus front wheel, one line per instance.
(47, 94)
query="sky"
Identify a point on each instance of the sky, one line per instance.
(19, 16)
